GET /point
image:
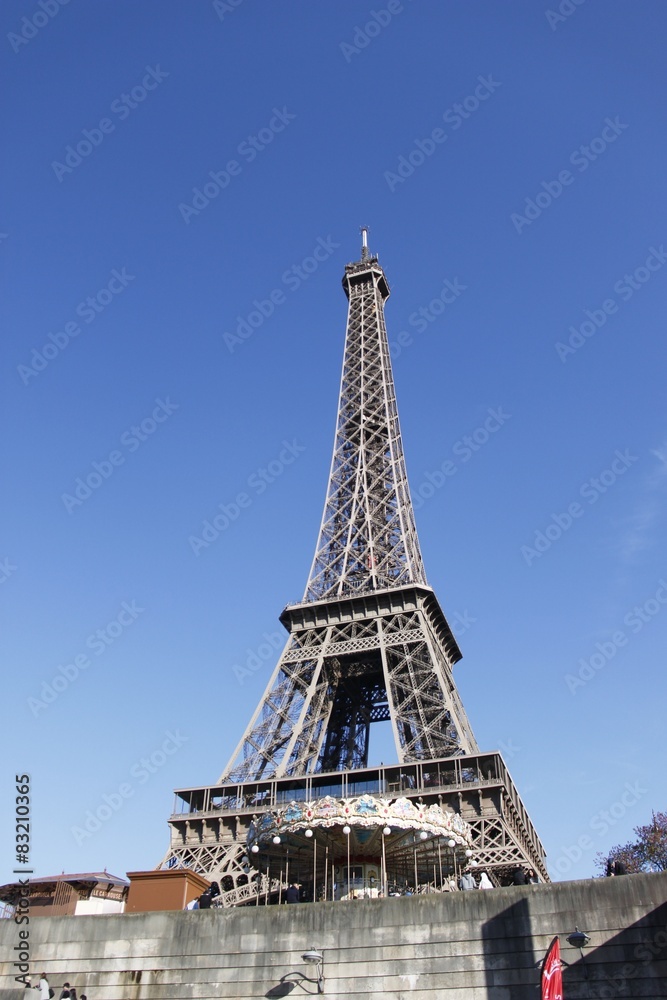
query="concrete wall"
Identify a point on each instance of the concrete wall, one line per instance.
(455, 946)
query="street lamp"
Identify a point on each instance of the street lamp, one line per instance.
(452, 844)
(316, 958)
(578, 939)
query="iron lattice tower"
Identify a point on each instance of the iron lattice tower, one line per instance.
(368, 643)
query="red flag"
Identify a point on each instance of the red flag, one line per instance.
(552, 977)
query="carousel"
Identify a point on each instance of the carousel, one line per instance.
(358, 848)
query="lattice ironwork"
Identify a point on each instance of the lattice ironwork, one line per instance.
(368, 539)
(369, 642)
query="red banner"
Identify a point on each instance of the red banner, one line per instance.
(552, 977)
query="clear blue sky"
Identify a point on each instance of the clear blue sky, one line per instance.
(518, 157)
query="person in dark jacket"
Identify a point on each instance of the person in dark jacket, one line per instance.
(519, 876)
(292, 893)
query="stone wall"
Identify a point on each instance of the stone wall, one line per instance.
(454, 946)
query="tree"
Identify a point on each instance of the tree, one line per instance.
(648, 853)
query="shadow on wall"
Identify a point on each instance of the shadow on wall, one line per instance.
(631, 963)
(512, 971)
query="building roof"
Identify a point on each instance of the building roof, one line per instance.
(83, 882)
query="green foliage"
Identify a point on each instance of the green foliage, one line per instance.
(648, 853)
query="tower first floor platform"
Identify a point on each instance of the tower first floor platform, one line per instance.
(413, 825)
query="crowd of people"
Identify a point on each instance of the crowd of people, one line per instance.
(46, 992)
(469, 879)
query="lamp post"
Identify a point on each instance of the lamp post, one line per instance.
(452, 844)
(385, 833)
(316, 958)
(347, 831)
(578, 939)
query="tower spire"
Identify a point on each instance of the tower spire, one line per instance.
(368, 539)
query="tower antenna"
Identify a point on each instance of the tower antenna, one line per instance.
(364, 242)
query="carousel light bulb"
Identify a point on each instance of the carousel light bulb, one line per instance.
(276, 839)
(451, 843)
(346, 830)
(254, 849)
(468, 853)
(387, 831)
(309, 833)
(423, 835)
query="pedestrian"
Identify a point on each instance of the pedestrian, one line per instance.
(45, 991)
(485, 882)
(65, 992)
(467, 881)
(619, 868)
(519, 876)
(72, 993)
(532, 877)
(292, 893)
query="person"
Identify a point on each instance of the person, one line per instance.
(485, 882)
(205, 899)
(45, 991)
(619, 868)
(72, 993)
(193, 904)
(65, 992)
(532, 877)
(519, 876)
(467, 881)
(292, 893)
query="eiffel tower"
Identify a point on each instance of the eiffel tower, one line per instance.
(368, 643)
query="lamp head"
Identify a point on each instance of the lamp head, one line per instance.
(578, 939)
(312, 956)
